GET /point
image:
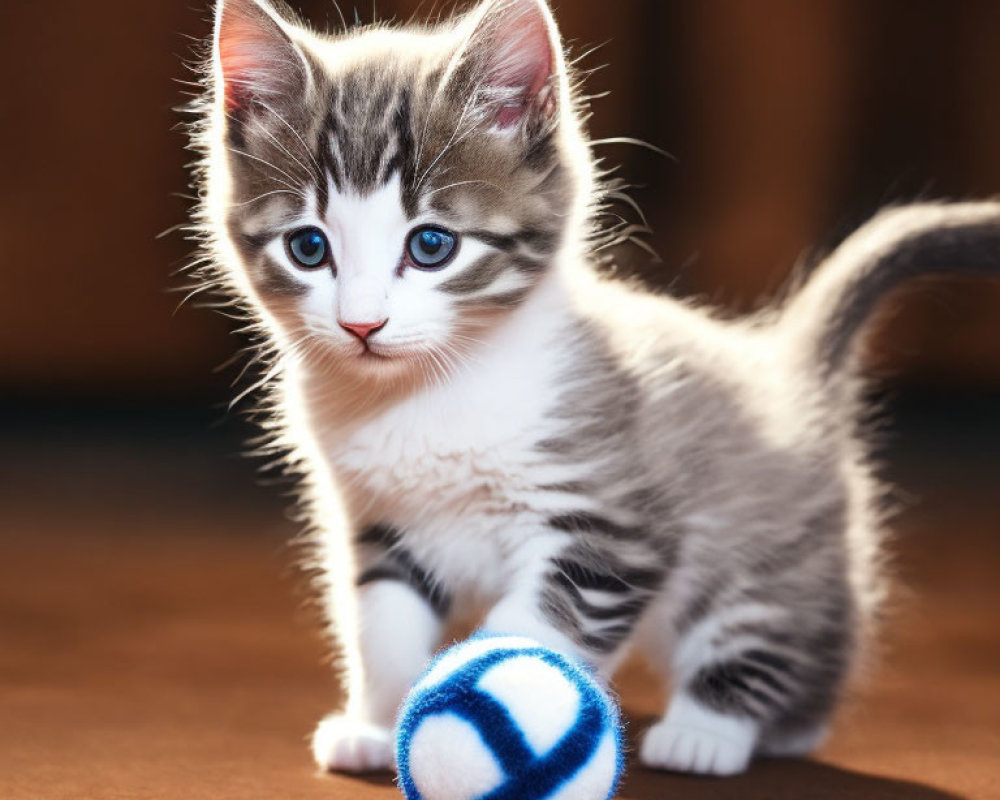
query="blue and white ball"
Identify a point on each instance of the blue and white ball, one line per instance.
(502, 718)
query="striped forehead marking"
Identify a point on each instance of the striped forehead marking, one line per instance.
(367, 137)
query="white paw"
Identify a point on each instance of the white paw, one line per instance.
(691, 738)
(341, 744)
(668, 746)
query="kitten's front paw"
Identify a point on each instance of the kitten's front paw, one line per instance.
(341, 744)
(694, 738)
(682, 748)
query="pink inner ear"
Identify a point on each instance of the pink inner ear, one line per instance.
(236, 54)
(522, 58)
(253, 51)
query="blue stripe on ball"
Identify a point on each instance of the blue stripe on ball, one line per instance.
(528, 776)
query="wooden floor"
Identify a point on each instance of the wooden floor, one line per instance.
(156, 642)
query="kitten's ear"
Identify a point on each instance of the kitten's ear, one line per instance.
(517, 54)
(255, 57)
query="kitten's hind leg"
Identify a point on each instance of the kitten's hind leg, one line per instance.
(744, 677)
(398, 630)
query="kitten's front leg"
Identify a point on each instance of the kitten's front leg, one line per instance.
(579, 595)
(399, 621)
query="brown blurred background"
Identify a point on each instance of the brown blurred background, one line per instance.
(790, 122)
(153, 642)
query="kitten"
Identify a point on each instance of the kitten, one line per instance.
(487, 426)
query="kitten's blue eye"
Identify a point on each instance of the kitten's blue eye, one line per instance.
(309, 248)
(431, 247)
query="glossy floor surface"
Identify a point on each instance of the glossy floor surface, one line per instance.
(157, 642)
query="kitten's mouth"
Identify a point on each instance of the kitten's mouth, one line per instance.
(373, 353)
(380, 353)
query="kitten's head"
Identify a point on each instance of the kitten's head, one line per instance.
(384, 197)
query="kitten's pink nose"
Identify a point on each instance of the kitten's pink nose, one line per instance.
(363, 329)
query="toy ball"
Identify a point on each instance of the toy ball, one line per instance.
(502, 718)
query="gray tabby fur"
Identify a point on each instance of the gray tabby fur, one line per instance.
(696, 466)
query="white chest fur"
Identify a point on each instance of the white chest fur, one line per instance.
(445, 454)
(456, 467)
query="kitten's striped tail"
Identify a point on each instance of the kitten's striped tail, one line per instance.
(899, 244)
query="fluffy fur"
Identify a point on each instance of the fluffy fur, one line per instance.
(576, 460)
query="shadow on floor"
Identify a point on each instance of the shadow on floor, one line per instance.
(777, 780)
(768, 779)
